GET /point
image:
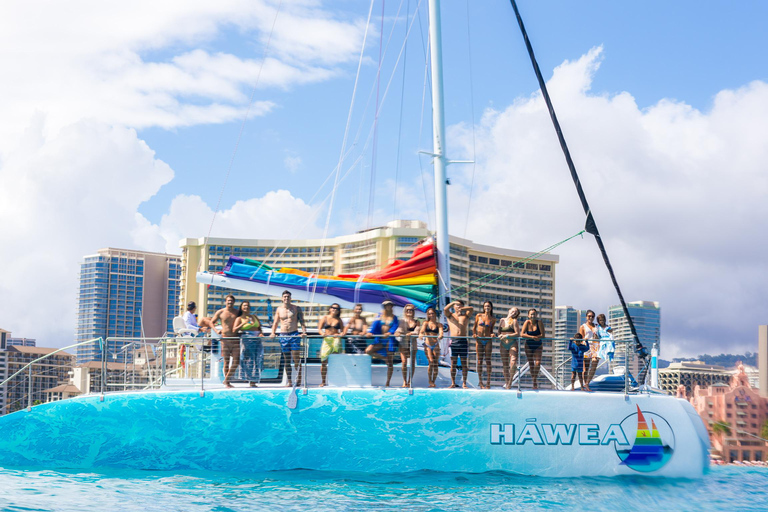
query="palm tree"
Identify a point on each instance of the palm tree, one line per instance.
(721, 428)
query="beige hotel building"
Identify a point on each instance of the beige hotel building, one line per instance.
(488, 270)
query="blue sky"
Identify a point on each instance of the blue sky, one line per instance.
(686, 51)
(121, 120)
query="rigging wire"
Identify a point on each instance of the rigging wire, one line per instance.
(510, 268)
(372, 186)
(472, 110)
(242, 124)
(341, 155)
(591, 226)
(400, 125)
(431, 220)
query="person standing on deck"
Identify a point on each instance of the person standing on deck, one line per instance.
(509, 331)
(356, 328)
(289, 317)
(248, 326)
(458, 326)
(230, 342)
(483, 332)
(408, 332)
(330, 327)
(385, 344)
(588, 331)
(533, 332)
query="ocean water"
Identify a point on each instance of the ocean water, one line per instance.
(724, 488)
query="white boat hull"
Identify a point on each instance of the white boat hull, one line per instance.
(552, 433)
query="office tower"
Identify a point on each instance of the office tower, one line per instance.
(124, 295)
(646, 316)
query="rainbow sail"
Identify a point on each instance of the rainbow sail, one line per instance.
(648, 450)
(412, 281)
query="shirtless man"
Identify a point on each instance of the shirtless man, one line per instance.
(289, 316)
(458, 325)
(230, 342)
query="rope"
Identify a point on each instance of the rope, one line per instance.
(372, 189)
(341, 155)
(242, 125)
(472, 110)
(400, 124)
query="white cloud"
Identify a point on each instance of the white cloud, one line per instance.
(61, 196)
(86, 60)
(292, 163)
(80, 78)
(678, 194)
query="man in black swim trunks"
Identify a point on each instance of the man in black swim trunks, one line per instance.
(458, 325)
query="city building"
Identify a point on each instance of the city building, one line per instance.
(762, 359)
(734, 414)
(21, 342)
(31, 386)
(646, 315)
(691, 374)
(4, 335)
(506, 277)
(123, 295)
(567, 321)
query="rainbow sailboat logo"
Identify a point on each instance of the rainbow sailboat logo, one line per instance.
(651, 448)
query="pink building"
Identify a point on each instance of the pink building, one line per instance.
(740, 412)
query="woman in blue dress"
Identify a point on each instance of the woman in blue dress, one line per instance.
(385, 344)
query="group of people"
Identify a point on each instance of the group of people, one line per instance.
(387, 335)
(593, 342)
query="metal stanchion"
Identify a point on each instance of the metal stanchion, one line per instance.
(519, 354)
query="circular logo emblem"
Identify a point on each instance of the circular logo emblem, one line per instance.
(651, 442)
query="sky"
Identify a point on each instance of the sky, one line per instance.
(134, 125)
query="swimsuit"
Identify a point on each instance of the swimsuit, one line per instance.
(484, 340)
(534, 344)
(508, 343)
(431, 343)
(331, 345)
(290, 341)
(594, 346)
(336, 326)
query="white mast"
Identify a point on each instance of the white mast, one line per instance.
(438, 154)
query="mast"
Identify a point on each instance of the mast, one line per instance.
(438, 157)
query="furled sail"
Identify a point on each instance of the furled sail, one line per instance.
(411, 281)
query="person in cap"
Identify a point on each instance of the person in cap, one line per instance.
(191, 322)
(385, 344)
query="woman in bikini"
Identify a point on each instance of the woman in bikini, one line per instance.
(356, 328)
(384, 328)
(407, 332)
(533, 331)
(588, 331)
(432, 332)
(509, 330)
(483, 333)
(330, 328)
(248, 326)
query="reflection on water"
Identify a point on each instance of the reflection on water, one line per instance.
(724, 487)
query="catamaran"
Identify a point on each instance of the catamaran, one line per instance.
(356, 424)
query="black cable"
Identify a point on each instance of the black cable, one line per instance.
(590, 226)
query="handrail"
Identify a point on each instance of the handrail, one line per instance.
(47, 356)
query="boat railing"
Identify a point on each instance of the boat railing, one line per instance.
(128, 364)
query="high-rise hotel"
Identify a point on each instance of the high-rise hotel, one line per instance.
(125, 294)
(506, 277)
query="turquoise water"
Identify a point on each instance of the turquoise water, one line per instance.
(724, 488)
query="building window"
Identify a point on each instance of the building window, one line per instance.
(482, 259)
